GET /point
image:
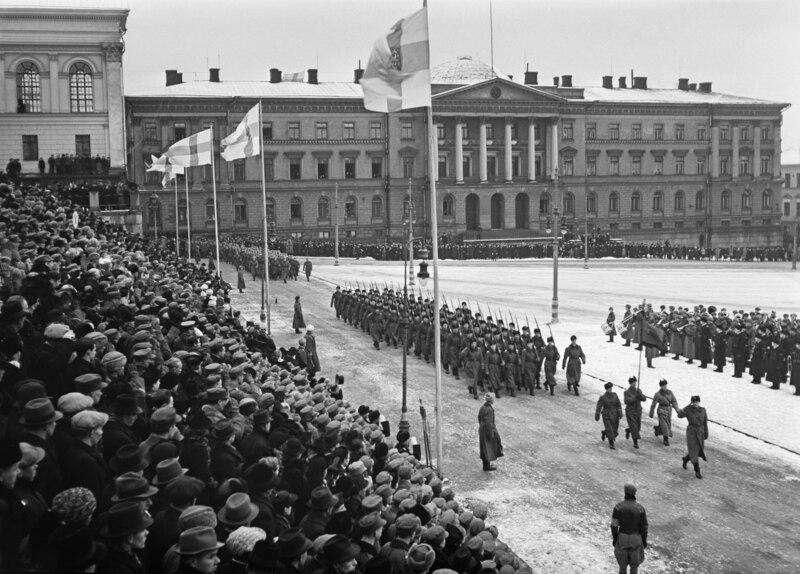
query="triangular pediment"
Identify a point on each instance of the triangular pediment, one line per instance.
(497, 90)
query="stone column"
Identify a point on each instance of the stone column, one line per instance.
(735, 151)
(714, 167)
(116, 107)
(435, 150)
(552, 159)
(531, 150)
(482, 151)
(54, 87)
(756, 151)
(776, 154)
(507, 157)
(459, 151)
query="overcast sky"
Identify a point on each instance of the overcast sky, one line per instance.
(745, 47)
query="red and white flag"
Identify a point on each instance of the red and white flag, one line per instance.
(398, 75)
(197, 149)
(245, 141)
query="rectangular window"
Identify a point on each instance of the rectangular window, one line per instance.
(568, 166)
(613, 131)
(636, 166)
(150, 131)
(293, 132)
(349, 130)
(322, 168)
(657, 225)
(636, 202)
(658, 131)
(658, 165)
(323, 209)
(349, 168)
(179, 131)
(295, 165)
(377, 167)
(725, 223)
(375, 130)
(679, 132)
(591, 203)
(350, 210)
(408, 167)
(489, 131)
(296, 234)
(323, 234)
(566, 131)
(700, 223)
(83, 145)
(296, 210)
(240, 212)
(679, 166)
(787, 209)
(591, 166)
(613, 165)
(636, 131)
(744, 133)
(724, 165)
(724, 134)
(377, 208)
(787, 179)
(766, 222)
(269, 169)
(440, 132)
(266, 131)
(464, 131)
(744, 165)
(322, 130)
(406, 130)
(701, 165)
(239, 170)
(679, 225)
(467, 166)
(591, 131)
(350, 232)
(30, 148)
(745, 223)
(442, 171)
(613, 227)
(765, 133)
(636, 225)
(515, 166)
(766, 165)
(701, 132)
(491, 167)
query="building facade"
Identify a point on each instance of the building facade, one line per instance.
(61, 88)
(687, 165)
(791, 199)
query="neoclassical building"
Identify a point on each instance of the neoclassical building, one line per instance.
(61, 84)
(684, 164)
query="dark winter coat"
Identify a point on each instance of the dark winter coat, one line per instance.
(491, 448)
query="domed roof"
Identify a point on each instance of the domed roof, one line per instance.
(464, 70)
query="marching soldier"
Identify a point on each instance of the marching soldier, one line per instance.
(629, 532)
(696, 433)
(609, 407)
(511, 360)
(573, 357)
(551, 357)
(633, 398)
(627, 320)
(472, 359)
(530, 360)
(665, 400)
(610, 322)
(538, 345)
(493, 362)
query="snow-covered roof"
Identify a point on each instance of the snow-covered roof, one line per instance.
(666, 96)
(255, 89)
(464, 70)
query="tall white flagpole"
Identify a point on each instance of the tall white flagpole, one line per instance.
(214, 187)
(188, 217)
(265, 296)
(177, 235)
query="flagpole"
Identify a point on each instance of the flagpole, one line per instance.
(188, 218)
(177, 235)
(214, 188)
(265, 278)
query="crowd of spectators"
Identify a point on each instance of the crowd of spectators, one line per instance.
(145, 426)
(63, 164)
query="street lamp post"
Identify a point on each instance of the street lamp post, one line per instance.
(586, 236)
(154, 211)
(558, 224)
(336, 225)
(407, 278)
(794, 242)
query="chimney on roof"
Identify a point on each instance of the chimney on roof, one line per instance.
(705, 87)
(623, 82)
(683, 84)
(556, 81)
(312, 76)
(174, 77)
(274, 76)
(640, 82)
(566, 81)
(213, 74)
(608, 82)
(531, 78)
(692, 87)
(357, 74)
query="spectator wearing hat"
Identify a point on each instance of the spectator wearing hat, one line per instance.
(83, 363)
(311, 350)
(125, 529)
(609, 407)
(490, 446)
(119, 430)
(435, 536)
(321, 505)
(39, 419)
(696, 433)
(293, 547)
(163, 428)
(33, 501)
(297, 320)
(340, 555)
(10, 357)
(72, 549)
(629, 531)
(13, 314)
(407, 527)
(261, 481)
(74, 506)
(83, 465)
(239, 546)
(283, 503)
(633, 398)
(419, 559)
(256, 444)
(13, 519)
(225, 461)
(51, 364)
(91, 385)
(665, 401)
(371, 527)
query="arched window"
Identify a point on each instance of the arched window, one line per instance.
(636, 201)
(700, 200)
(766, 200)
(725, 200)
(680, 201)
(81, 92)
(747, 200)
(350, 208)
(658, 201)
(448, 206)
(544, 204)
(377, 207)
(296, 208)
(240, 211)
(29, 88)
(613, 202)
(591, 203)
(323, 208)
(569, 203)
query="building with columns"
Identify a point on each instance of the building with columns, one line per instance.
(61, 88)
(686, 164)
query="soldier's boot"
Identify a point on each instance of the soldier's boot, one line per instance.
(756, 380)
(685, 460)
(497, 393)
(690, 362)
(696, 466)
(377, 345)
(611, 338)
(627, 344)
(475, 393)
(656, 430)
(627, 434)
(666, 441)
(603, 435)
(576, 390)
(718, 370)
(635, 443)
(551, 389)
(455, 373)
(569, 386)
(611, 445)
(703, 365)
(677, 357)
(510, 390)
(530, 390)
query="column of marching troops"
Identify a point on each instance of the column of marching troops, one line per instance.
(765, 345)
(490, 354)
